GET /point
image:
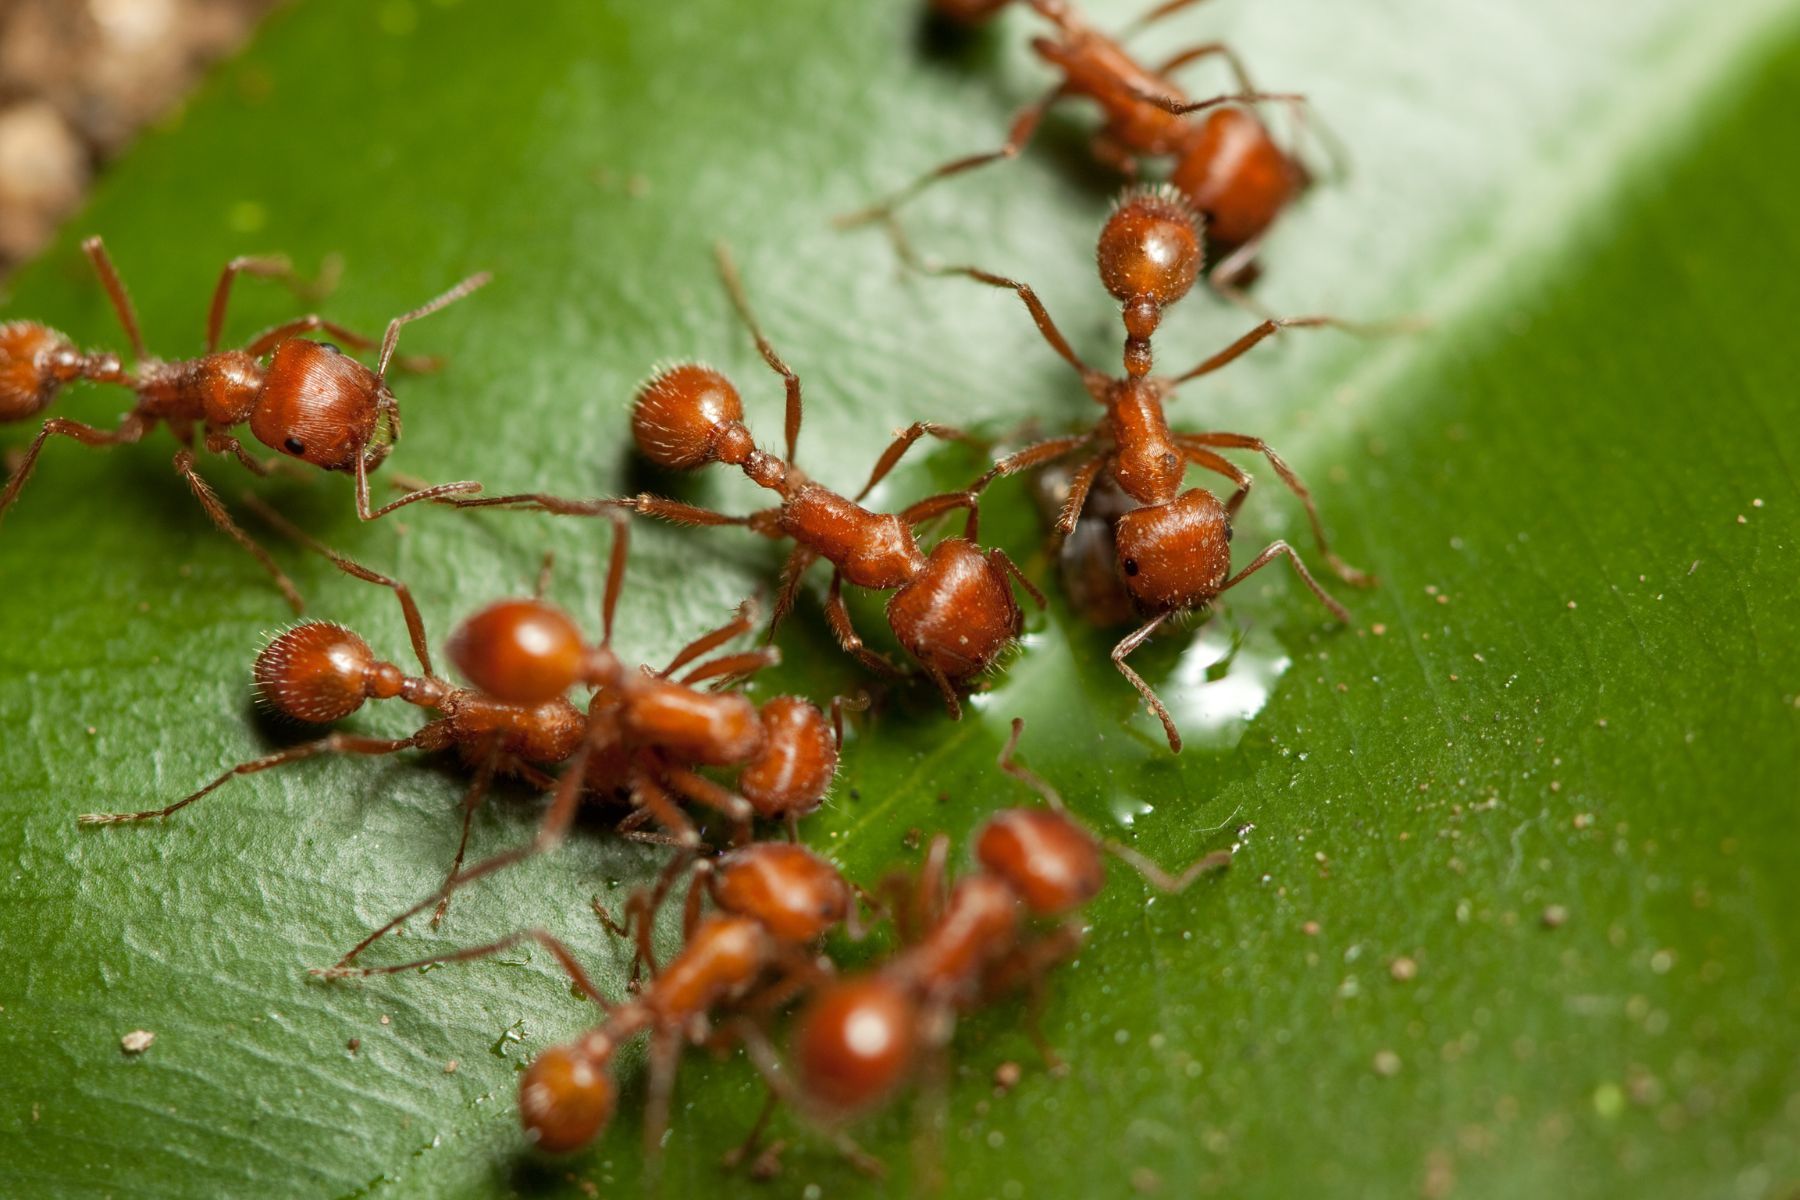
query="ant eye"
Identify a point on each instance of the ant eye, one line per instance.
(331, 347)
(1228, 531)
(295, 447)
(1131, 566)
(1170, 462)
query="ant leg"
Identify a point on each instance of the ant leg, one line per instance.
(269, 267)
(1206, 459)
(734, 290)
(665, 1057)
(409, 608)
(649, 795)
(931, 895)
(1159, 13)
(767, 1061)
(1024, 126)
(742, 623)
(744, 1149)
(839, 706)
(1275, 325)
(1224, 276)
(336, 743)
(792, 571)
(937, 506)
(733, 666)
(1275, 550)
(837, 615)
(1182, 108)
(129, 430)
(1004, 561)
(1009, 764)
(675, 511)
(1194, 54)
(1161, 879)
(715, 796)
(903, 441)
(1241, 441)
(1111, 152)
(952, 702)
(1032, 456)
(223, 443)
(209, 500)
(272, 337)
(1131, 642)
(484, 777)
(564, 957)
(1041, 315)
(431, 493)
(1080, 484)
(474, 282)
(95, 249)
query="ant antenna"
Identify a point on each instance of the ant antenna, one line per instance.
(1024, 774)
(472, 283)
(615, 574)
(734, 288)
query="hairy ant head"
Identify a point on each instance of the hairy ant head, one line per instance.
(795, 894)
(35, 361)
(519, 651)
(1149, 253)
(565, 1099)
(320, 405)
(1175, 555)
(1234, 172)
(1047, 859)
(689, 415)
(318, 672)
(854, 1044)
(958, 613)
(797, 763)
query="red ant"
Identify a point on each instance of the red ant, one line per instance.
(774, 900)
(1228, 165)
(952, 609)
(646, 731)
(1174, 551)
(310, 402)
(860, 1038)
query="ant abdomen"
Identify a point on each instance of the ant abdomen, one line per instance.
(565, 1099)
(687, 416)
(1046, 858)
(519, 651)
(1235, 173)
(319, 672)
(35, 361)
(1175, 555)
(797, 762)
(854, 1046)
(1150, 247)
(958, 613)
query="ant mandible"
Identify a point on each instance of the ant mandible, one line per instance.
(861, 1037)
(310, 402)
(1228, 165)
(952, 609)
(1174, 550)
(774, 901)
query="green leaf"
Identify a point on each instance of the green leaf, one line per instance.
(1511, 912)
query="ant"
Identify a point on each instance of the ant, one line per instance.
(311, 401)
(952, 609)
(1228, 165)
(774, 902)
(860, 1037)
(646, 731)
(1173, 549)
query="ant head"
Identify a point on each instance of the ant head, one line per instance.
(320, 405)
(958, 613)
(1175, 555)
(35, 360)
(519, 651)
(1235, 173)
(797, 762)
(792, 892)
(854, 1044)
(688, 415)
(319, 672)
(565, 1099)
(1149, 253)
(1046, 858)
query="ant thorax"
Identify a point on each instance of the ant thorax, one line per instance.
(1147, 463)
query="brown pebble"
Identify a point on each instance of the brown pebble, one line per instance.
(1310, 929)
(1007, 1076)
(1403, 969)
(137, 1041)
(1386, 1064)
(353, 1045)
(450, 1067)
(1555, 916)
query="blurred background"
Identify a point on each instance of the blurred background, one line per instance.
(77, 79)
